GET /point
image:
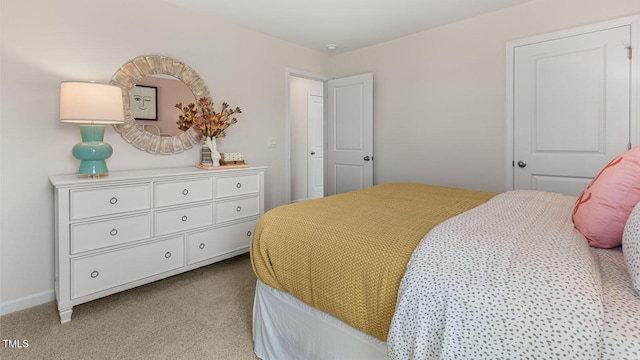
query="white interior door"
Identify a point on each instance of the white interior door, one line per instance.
(571, 109)
(350, 133)
(315, 144)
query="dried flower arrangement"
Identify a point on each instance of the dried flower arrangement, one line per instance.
(210, 123)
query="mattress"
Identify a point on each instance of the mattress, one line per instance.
(513, 278)
(287, 328)
(621, 335)
(346, 254)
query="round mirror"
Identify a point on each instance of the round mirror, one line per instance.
(139, 80)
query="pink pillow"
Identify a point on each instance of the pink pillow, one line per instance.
(602, 209)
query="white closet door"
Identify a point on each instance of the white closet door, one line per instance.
(571, 109)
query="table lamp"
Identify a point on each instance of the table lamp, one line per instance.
(93, 105)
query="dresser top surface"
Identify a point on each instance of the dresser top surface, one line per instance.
(116, 176)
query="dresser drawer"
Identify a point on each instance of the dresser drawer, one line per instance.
(104, 271)
(87, 203)
(205, 245)
(99, 234)
(184, 218)
(237, 209)
(182, 192)
(237, 185)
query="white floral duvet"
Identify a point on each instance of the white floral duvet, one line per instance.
(509, 279)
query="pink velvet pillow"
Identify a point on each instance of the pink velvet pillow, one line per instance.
(602, 209)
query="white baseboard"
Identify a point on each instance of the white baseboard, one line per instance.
(26, 302)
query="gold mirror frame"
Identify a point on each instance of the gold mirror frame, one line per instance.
(128, 76)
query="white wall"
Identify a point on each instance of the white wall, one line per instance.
(45, 42)
(439, 96)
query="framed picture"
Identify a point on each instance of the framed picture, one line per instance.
(144, 102)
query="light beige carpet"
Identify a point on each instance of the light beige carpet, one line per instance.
(201, 314)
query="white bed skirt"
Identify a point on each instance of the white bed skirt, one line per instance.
(286, 328)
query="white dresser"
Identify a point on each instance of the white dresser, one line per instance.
(134, 227)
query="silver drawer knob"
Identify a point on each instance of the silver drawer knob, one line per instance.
(185, 191)
(94, 274)
(167, 254)
(201, 246)
(239, 208)
(113, 232)
(113, 200)
(249, 233)
(184, 218)
(238, 185)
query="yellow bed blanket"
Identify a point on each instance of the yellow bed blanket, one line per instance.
(346, 254)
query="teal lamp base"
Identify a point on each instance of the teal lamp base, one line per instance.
(92, 151)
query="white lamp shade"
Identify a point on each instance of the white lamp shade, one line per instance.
(90, 103)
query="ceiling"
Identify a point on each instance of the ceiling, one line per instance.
(349, 24)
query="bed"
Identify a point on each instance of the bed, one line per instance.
(411, 271)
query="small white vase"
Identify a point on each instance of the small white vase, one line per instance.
(213, 146)
(205, 155)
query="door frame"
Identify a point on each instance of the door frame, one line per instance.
(289, 72)
(634, 131)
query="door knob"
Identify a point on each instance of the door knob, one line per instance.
(313, 153)
(522, 164)
(367, 158)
